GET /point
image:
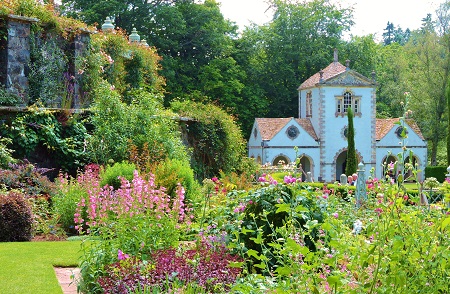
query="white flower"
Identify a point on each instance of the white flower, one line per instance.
(357, 227)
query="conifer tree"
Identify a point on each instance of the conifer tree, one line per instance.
(352, 161)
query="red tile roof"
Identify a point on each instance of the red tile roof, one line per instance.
(330, 71)
(269, 127)
(306, 124)
(383, 126)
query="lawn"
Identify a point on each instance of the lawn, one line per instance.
(27, 267)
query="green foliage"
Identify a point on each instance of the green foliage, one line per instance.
(16, 219)
(112, 174)
(117, 125)
(259, 223)
(172, 172)
(5, 153)
(37, 133)
(216, 140)
(8, 98)
(437, 172)
(352, 159)
(46, 78)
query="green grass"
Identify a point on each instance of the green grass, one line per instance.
(27, 267)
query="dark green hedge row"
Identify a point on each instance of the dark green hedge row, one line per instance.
(437, 172)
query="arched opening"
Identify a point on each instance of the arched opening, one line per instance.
(408, 173)
(305, 163)
(280, 160)
(341, 163)
(388, 165)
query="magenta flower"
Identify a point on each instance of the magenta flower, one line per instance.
(121, 255)
(335, 215)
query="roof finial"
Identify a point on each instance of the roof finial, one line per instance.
(347, 64)
(335, 55)
(321, 76)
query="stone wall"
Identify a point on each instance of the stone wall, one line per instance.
(15, 34)
(15, 53)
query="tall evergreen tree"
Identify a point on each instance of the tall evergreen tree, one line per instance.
(352, 161)
(388, 35)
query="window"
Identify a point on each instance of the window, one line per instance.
(348, 99)
(292, 132)
(309, 104)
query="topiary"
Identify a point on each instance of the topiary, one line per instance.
(16, 219)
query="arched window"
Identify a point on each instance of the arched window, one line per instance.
(348, 99)
(309, 104)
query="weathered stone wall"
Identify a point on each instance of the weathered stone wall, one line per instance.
(15, 34)
(15, 54)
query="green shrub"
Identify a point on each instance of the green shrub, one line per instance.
(173, 171)
(15, 218)
(437, 172)
(265, 213)
(5, 153)
(111, 174)
(65, 202)
(118, 125)
(216, 140)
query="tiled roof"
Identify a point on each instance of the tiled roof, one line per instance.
(269, 127)
(383, 126)
(330, 71)
(306, 124)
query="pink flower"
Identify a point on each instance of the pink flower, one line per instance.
(215, 179)
(121, 255)
(379, 211)
(335, 215)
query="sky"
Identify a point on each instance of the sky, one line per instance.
(370, 16)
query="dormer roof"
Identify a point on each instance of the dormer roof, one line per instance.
(269, 127)
(383, 126)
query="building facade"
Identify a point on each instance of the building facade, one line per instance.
(319, 135)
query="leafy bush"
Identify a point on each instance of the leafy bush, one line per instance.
(216, 140)
(172, 172)
(16, 219)
(37, 134)
(118, 125)
(112, 174)
(5, 153)
(266, 212)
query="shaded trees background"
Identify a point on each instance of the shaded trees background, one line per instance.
(256, 72)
